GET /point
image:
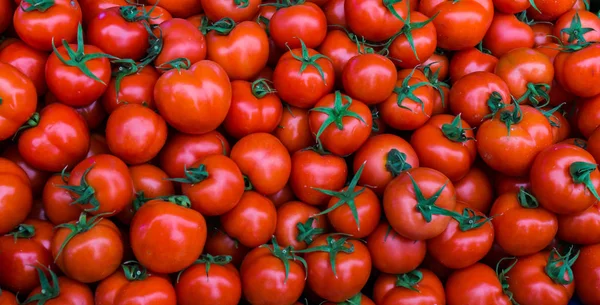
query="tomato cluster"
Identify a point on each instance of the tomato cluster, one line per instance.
(294, 152)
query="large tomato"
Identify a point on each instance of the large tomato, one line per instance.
(59, 291)
(370, 78)
(580, 228)
(339, 46)
(57, 201)
(471, 60)
(587, 274)
(298, 224)
(131, 85)
(375, 20)
(577, 26)
(29, 61)
(475, 190)
(298, 24)
(252, 221)
(575, 70)
(293, 130)
(499, 41)
(420, 286)
(393, 253)
(7, 297)
(180, 39)
(211, 280)
(18, 100)
(475, 285)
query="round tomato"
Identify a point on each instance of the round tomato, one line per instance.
(180, 39)
(238, 11)
(210, 280)
(219, 243)
(29, 61)
(392, 253)
(471, 60)
(302, 23)
(499, 42)
(577, 27)
(370, 78)
(16, 198)
(59, 291)
(542, 34)
(586, 271)
(18, 100)
(547, 10)
(420, 286)
(298, 224)
(416, 41)
(477, 284)
(131, 85)
(293, 130)
(282, 196)
(340, 47)
(335, 12)
(574, 70)
(252, 221)
(375, 20)
(587, 117)
(179, 8)
(36, 177)
(56, 201)
(7, 297)
(475, 190)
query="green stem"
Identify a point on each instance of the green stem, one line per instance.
(22, 231)
(134, 271)
(333, 247)
(409, 280)
(581, 173)
(407, 91)
(177, 63)
(308, 60)
(37, 5)
(193, 175)
(336, 114)
(502, 276)
(81, 226)
(49, 288)
(209, 260)
(307, 232)
(454, 131)
(85, 192)
(261, 88)
(426, 206)
(221, 27)
(285, 255)
(396, 163)
(575, 32)
(560, 265)
(526, 199)
(510, 118)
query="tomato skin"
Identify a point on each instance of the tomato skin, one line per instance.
(511, 6)
(474, 285)
(219, 243)
(438, 63)
(6, 11)
(431, 291)
(475, 190)
(219, 285)
(424, 40)
(399, 203)
(574, 71)
(586, 272)
(183, 150)
(587, 118)
(369, 213)
(282, 196)
(370, 78)
(29, 61)
(352, 269)
(373, 20)
(252, 221)
(294, 133)
(71, 292)
(339, 48)
(264, 160)
(375, 152)
(471, 60)
(182, 231)
(520, 230)
(550, 9)
(118, 290)
(36, 177)
(179, 9)
(305, 22)
(249, 113)
(57, 202)
(499, 42)
(217, 10)
(196, 100)
(392, 253)
(181, 39)
(39, 29)
(98, 145)
(8, 298)
(19, 100)
(137, 88)
(335, 12)
(542, 34)
(91, 8)
(530, 284)
(312, 171)
(289, 215)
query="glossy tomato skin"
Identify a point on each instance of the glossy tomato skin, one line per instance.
(294, 133)
(60, 138)
(475, 190)
(430, 291)
(6, 11)
(312, 171)
(29, 61)
(8, 298)
(57, 201)
(352, 270)
(292, 213)
(373, 20)
(550, 10)
(392, 253)
(219, 243)
(587, 118)
(18, 100)
(586, 272)
(511, 6)
(38, 29)
(117, 289)
(470, 60)
(179, 9)
(499, 41)
(219, 284)
(217, 10)
(196, 100)
(135, 133)
(399, 202)
(474, 285)
(181, 39)
(305, 22)
(338, 47)
(573, 71)
(424, 40)
(377, 153)
(370, 78)
(588, 20)
(368, 210)
(37, 178)
(252, 221)
(265, 161)
(181, 230)
(98, 145)
(71, 292)
(580, 228)
(91, 8)
(282, 196)
(137, 88)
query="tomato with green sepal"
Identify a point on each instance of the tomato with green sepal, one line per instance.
(375, 20)
(293, 130)
(131, 84)
(369, 77)
(393, 253)
(499, 42)
(478, 284)
(18, 100)
(298, 224)
(415, 42)
(210, 280)
(29, 61)
(297, 23)
(419, 286)
(177, 38)
(239, 10)
(577, 27)
(57, 201)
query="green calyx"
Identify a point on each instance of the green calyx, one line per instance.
(241, 3)
(261, 88)
(155, 44)
(526, 199)
(193, 175)
(375, 117)
(559, 267)
(409, 280)
(482, 49)
(126, 67)
(333, 247)
(580, 143)
(407, 91)
(495, 104)
(284, 3)
(131, 13)
(346, 197)
(33, 121)
(454, 131)
(549, 114)
(426, 206)
(307, 232)
(502, 276)
(180, 200)
(308, 60)
(511, 117)
(409, 26)
(581, 173)
(389, 4)
(139, 200)
(575, 32)
(50, 289)
(78, 58)
(469, 220)
(434, 81)
(396, 163)
(22, 231)
(532, 2)
(535, 93)
(285, 255)
(177, 63)
(336, 114)
(37, 5)
(134, 271)
(85, 192)
(221, 27)
(209, 260)
(355, 300)
(81, 226)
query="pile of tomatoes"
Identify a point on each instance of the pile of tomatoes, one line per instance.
(292, 152)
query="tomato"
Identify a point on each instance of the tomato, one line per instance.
(416, 203)
(59, 291)
(183, 150)
(219, 243)
(587, 118)
(132, 85)
(77, 243)
(282, 196)
(180, 9)
(392, 253)
(512, 6)
(29, 61)
(340, 47)
(506, 184)
(213, 280)
(18, 100)
(293, 130)
(335, 272)
(134, 282)
(38, 26)
(6, 11)
(477, 284)
(385, 156)
(91, 8)
(302, 76)
(16, 197)
(461, 24)
(238, 11)
(521, 131)
(241, 49)
(264, 160)
(196, 100)
(369, 77)
(254, 108)
(375, 20)
(577, 26)
(441, 92)
(7, 297)
(302, 23)
(475, 190)
(314, 170)
(252, 221)
(437, 63)
(542, 278)
(420, 286)
(586, 274)
(120, 32)
(22, 249)
(411, 103)
(521, 226)
(359, 299)
(36, 177)
(499, 42)
(471, 60)
(98, 145)
(298, 224)
(182, 233)
(57, 201)
(542, 34)
(158, 14)
(574, 70)
(416, 42)
(548, 10)
(181, 39)
(335, 12)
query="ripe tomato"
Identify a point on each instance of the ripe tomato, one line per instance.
(302, 76)
(475, 190)
(514, 131)
(385, 156)
(293, 130)
(359, 299)
(40, 25)
(180, 39)
(437, 63)
(375, 20)
(499, 42)
(471, 60)
(587, 118)
(29, 61)
(20, 251)
(254, 108)
(420, 286)
(587, 275)
(302, 23)
(37, 178)
(238, 11)
(335, 272)
(392, 253)
(7, 297)
(446, 144)
(512, 6)
(18, 100)
(178, 8)
(195, 100)
(574, 70)
(210, 280)
(56, 201)
(340, 123)
(6, 11)
(252, 221)
(548, 10)
(335, 12)
(219, 243)
(131, 85)
(98, 145)
(264, 160)
(340, 47)
(282, 196)
(577, 26)
(416, 41)
(477, 284)
(542, 34)
(298, 224)
(94, 240)
(521, 226)
(182, 233)
(369, 77)
(139, 144)
(417, 201)
(59, 291)
(91, 8)
(506, 184)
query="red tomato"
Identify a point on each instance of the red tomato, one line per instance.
(417, 201)
(91, 8)
(512, 6)
(375, 20)
(475, 285)
(369, 77)
(475, 190)
(587, 118)
(340, 47)
(98, 145)
(298, 224)
(548, 10)
(18, 99)
(6, 11)
(195, 100)
(416, 42)
(587, 275)
(179, 8)
(506, 33)
(36, 177)
(335, 12)
(29, 61)
(59, 291)
(293, 130)
(238, 11)
(420, 286)
(293, 26)
(392, 253)
(7, 297)
(577, 26)
(252, 221)
(437, 63)
(282, 196)
(57, 201)
(442, 89)
(213, 280)
(219, 243)
(542, 34)
(471, 60)
(181, 39)
(131, 86)
(574, 70)
(182, 233)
